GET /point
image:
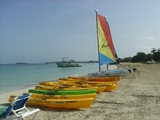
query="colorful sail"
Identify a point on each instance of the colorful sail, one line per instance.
(107, 51)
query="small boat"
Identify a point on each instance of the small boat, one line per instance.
(83, 82)
(45, 87)
(104, 79)
(88, 80)
(67, 63)
(49, 87)
(111, 87)
(92, 95)
(106, 50)
(56, 84)
(21, 63)
(58, 103)
(99, 86)
(62, 92)
(72, 85)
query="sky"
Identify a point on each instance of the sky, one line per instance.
(38, 31)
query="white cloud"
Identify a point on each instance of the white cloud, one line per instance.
(125, 35)
(147, 47)
(147, 38)
(150, 38)
(144, 46)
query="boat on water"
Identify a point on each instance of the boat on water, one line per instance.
(106, 50)
(21, 63)
(68, 63)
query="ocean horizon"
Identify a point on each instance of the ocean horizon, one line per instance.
(17, 76)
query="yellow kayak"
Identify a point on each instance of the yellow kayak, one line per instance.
(92, 95)
(59, 103)
(104, 79)
(64, 81)
(77, 84)
(111, 87)
(45, 87)
(56, 84)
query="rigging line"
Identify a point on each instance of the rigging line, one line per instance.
(93, 55)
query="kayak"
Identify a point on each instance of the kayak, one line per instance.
(104, 79)
(45, 87)
(59, 103)
(62, 92)
(92, 95)
(84, 81)
(64, 84)
(111, 87)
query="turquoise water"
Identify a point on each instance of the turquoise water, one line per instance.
(15, 76)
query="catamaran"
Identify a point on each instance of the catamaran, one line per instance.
(106, 50)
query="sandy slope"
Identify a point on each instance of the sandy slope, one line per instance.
(135, 98)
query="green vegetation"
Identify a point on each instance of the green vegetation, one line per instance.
(142, 57)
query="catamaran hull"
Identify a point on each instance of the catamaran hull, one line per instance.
(111, 73)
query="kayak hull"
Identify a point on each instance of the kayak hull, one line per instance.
(58, 92)
(59, 103)
(45, 87)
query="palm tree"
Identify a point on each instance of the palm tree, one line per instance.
(153, 50)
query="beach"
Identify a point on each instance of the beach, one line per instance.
(135, 98)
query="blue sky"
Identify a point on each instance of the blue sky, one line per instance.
(38, 31)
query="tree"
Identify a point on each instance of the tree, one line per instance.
(127, 59)
(140, 57)
(156, 56)
(153, 50)
(149, 57)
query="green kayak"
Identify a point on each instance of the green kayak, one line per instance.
(60, 92)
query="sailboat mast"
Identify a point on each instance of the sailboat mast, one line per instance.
(97, 39)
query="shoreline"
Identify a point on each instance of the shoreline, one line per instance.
(19, 87)
(16, 89)
(7, 94)
(135, 98)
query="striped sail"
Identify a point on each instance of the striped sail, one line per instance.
(106, 48)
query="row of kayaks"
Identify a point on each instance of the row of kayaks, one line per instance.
(71, 92)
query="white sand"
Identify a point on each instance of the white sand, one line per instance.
(5, 96)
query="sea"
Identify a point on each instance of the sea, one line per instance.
(18, 76)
